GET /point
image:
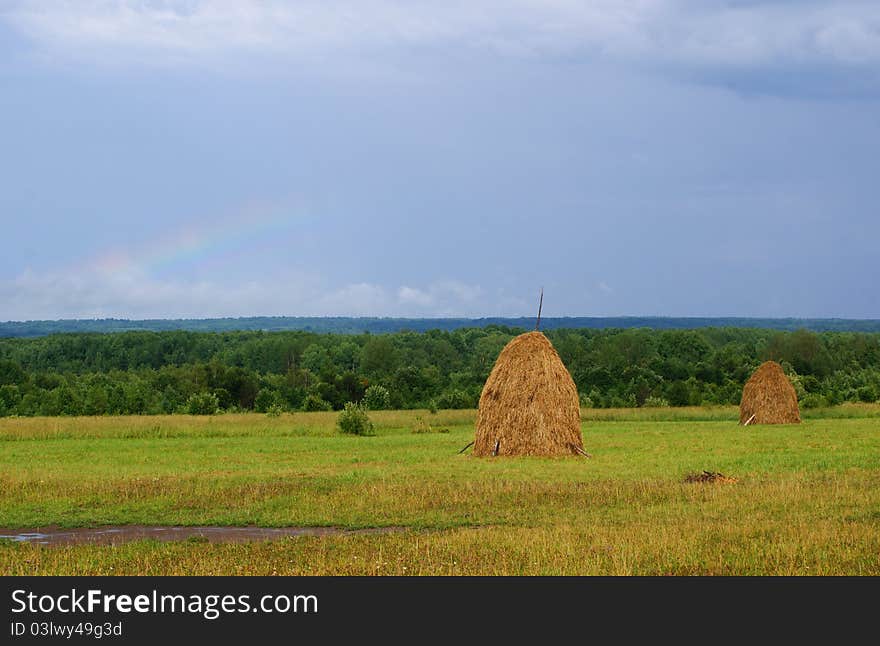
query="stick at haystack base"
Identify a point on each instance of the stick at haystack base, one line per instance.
(529, 405)
(769, 398)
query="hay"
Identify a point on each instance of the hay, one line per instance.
(529, 405)
(769, 398)
(708, 477)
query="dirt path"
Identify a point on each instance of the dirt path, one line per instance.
(53, 535)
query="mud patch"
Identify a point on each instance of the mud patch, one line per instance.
(53, 535)
(709, 476)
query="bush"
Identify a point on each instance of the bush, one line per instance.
(455, 399)
(811, 384)
(274, 411)
(224, 398)
(10, 396)
(202, 404)
(623, 402)
(266, 399)
(354, 420)
(377, 397)
(432, 407)
(586, 401)
(422, 426)
(678, 394)
(812, 400)
(655, 402)
(313, 403)
(798, 385)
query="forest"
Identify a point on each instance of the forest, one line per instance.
(384, 325)
(145, 372)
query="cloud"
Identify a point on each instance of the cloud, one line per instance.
(97, 294)
(359, 299)
(444, 298)
(411, 295)
(667, 32)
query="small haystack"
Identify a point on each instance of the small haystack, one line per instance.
(769, 398)
(529, 405)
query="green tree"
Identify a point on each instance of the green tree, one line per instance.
(96, 400)
(378, 356)
(347, 356)
(315, 359)
(12, 373)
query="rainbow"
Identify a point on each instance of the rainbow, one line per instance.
(198, 243)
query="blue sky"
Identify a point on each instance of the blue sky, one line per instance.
(189, 159)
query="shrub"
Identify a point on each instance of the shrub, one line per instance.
(422, 426)
(432, 407)
(678, 394)
(377, 397)
(314, 403)
(202, 404)
(266, 399)
(455, 399)
(354, 420)
(586, 401)
(812, 400)
(655, 402)
(10, 396)
(224, 398)
(798, 385)
(811, 384)
(623, 402)
(274, 411)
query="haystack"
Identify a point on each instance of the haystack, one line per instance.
(769, 398)
(529, 405)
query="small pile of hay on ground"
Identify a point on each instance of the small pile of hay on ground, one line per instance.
(529, 405)
(769, 398)
(709, 477)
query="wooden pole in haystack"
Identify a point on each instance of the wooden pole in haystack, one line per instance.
(540, 305)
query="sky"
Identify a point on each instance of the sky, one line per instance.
(184, 158)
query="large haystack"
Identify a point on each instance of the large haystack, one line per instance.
(769, 398)
(529, 405)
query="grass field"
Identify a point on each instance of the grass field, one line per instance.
(806, 500)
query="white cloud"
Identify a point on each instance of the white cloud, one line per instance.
(444, 298)
(687, 32)
(411, 295)
(98, 294)
(359, 299)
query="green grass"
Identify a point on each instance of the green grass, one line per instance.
(806, 500)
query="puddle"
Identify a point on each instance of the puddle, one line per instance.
(124, 533)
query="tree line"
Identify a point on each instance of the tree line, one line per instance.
(385, 325)
(205, 372)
